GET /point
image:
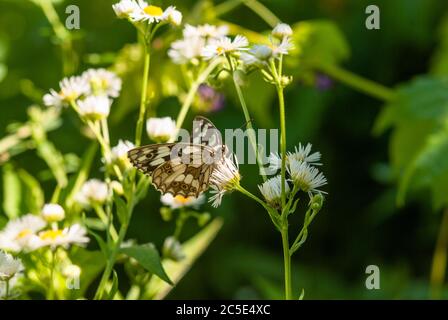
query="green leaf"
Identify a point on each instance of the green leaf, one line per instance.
(91, 262)
(318, 41)
(148, 256)
(12, 192)
(430, 163)
(34, 195)
(102, 244)
(193, 248)
(114, 287)
(54, 159)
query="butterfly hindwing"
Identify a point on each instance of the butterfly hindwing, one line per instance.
(176, 168)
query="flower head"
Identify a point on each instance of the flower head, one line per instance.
(172, 249)
(180, 201)
(93, 192)
(303, 153)
(225, 45)
(9, 266)
(75, 234)
(70, 89)
(20, 234)
(282, 48)
(103, 82)
(125, 8)
(225, 178)
(161, 129)
(271, 190)
(95, 107)
(306, 177)
(154, 14)
(52, 212)
(281, 31)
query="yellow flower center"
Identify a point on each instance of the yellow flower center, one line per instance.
(50, 234)
(24, 233)
(182, 199)
(220, 50)
(153, 11)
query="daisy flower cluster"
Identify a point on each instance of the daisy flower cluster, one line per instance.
(31, 232)
(301, 166)
(90, 94)
(259, 55)
(195, 40)
(139, 11)
(161, 130)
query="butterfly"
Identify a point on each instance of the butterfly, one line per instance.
(182, 168)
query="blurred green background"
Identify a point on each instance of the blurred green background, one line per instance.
(360, 224)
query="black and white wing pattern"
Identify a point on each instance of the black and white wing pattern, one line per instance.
(205, 132)
(177, 168)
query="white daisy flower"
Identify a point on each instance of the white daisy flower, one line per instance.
(281, 31)
(271, 190)
(20, 234)
(154, 14)
(9, 266)
(125, 8)
(103, 82)
(161, 129)
(225, 178)
(187, 50)
(120, 151)
(225, 45)
(206, 31)
(95, 107)
(307, 177)
(304, 154)
(52, 212)
(92, 192)
(180, 201)
(70, 89)
(73, 235)
(257, 56)
(172, 249)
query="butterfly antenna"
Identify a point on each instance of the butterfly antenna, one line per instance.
(246, 123)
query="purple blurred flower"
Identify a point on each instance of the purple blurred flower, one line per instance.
(209, 99)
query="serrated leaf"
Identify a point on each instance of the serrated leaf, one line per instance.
(148, 257)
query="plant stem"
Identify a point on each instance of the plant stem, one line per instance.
(50, 294)
(439, 260)
(281, 101)
(6, 297)
(144, 96)
(286, 260)
(251, 131)
(202, 77)
(357, 82)
(69, 59)
(263, 12)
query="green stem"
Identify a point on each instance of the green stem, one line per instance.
(439, 260)
(51, 293)
(113, 254)
(281, 101)
(106, 221)
(202, 77)
(6, 297)
(250, 195)
(69, 59)
(144, 96)
(263, 12)
(357, 82)
(286, 260)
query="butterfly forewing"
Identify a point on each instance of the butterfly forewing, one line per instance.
(205, 132)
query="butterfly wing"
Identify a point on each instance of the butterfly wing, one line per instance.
(176, 168)
(205, 132)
